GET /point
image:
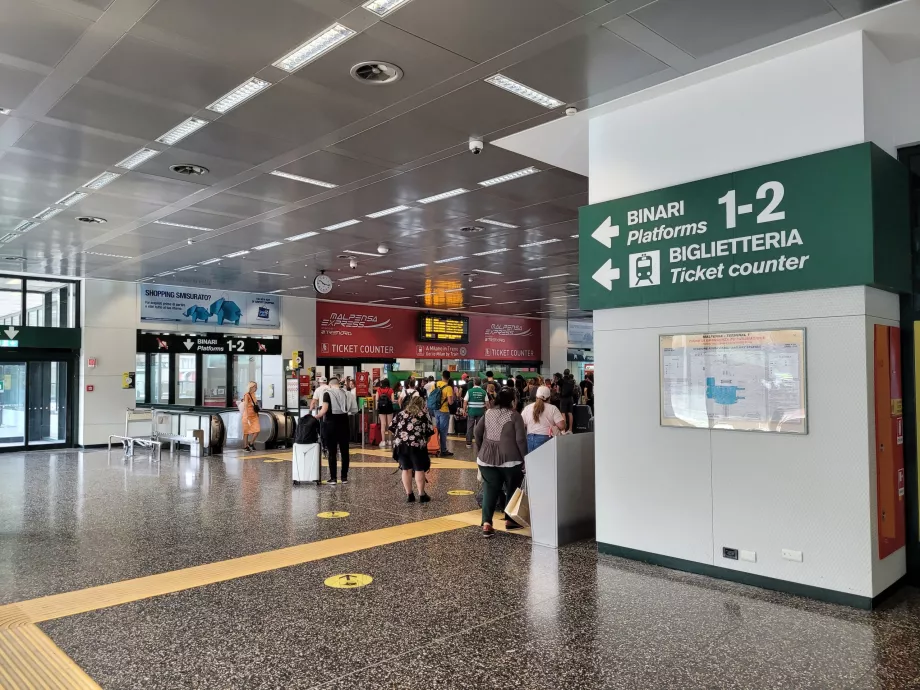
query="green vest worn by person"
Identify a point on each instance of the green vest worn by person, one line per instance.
(476, 401)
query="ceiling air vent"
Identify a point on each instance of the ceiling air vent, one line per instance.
(472, 228)
(189, 169)
(376, 73)
(91, 219)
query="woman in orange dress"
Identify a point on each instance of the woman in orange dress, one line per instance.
(250, 414)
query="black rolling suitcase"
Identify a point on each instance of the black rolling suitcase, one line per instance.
(582, 419)
(460, 425)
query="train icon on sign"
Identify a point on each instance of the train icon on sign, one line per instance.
(645, 269)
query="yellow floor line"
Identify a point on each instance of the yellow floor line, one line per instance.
(29, 660)
(436, 463)
(104, 596)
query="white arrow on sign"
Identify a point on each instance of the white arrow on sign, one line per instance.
(605, 275)
(11, 333)
(188, 344)
(606, 232)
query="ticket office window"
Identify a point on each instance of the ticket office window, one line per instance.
(268, 373)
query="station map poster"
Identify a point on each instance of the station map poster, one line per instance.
(208, 307)
(743, 381)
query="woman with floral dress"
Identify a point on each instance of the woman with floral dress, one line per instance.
(411, 430)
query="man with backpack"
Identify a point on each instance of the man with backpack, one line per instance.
(438, 403)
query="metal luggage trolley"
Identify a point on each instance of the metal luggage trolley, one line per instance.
(135, 416)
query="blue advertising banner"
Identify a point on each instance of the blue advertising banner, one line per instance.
(175, 304)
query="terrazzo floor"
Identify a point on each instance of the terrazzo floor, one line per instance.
(447, 610)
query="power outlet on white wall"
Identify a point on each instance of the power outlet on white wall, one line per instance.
(750, 556)
(791, 555)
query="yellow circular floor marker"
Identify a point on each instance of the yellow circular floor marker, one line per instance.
(459, 492)
(333, 514)
(348, 581)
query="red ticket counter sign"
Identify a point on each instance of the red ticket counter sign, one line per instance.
(889, 440)
(362, 384)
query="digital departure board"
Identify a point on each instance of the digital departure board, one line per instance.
(436, 328)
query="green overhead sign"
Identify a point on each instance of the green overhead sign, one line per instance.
(826, 220)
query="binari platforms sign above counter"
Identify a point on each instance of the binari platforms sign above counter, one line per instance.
(370, 332)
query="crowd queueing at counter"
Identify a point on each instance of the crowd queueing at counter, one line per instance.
(503, 421)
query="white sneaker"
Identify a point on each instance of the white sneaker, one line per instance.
(383, 444)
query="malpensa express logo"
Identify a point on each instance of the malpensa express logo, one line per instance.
(355, 321)
(508, 330)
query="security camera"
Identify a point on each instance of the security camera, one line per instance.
(383, 249)
(353, 262)
(476, 146)
(571, 110)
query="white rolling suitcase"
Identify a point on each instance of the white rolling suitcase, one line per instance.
(306, 462)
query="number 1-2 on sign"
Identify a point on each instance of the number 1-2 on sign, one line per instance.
(776, 192)
(235, 346)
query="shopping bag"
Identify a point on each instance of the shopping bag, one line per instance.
(518, 508)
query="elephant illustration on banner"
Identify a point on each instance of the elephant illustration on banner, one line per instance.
(198, 313)
(226, 310)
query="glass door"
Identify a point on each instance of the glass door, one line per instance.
(12, 404)
(47, 403)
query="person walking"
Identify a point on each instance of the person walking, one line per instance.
(439, 402)
(520, 392)
(411, 429)
(501, 438)
(249, 410)
(474, 406)
(384, 397)
(336, 408)
(541, 419)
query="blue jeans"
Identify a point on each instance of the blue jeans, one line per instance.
(442, 421)
(534, 441)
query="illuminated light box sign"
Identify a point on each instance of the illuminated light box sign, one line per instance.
(370, 331)
(436, 328)
(208, 306)
(827, 220)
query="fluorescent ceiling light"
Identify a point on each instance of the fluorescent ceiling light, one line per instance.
(9, 237)
(443, 195)
(299, 178)
(111, 256)
(383, 7)
(47, 213)
(301, 236)
(496, 223)
(165, 273)
(343, 224)
(444, 292)
(136, 158)
(185, 268)
(518, 89)
(388, 211)
(533, 299)
(182, 130)
(555, 275)
(72, 198)
(267, 245)
(316, 46)
(25, 226)
(236, 254)
(271, 273)
(498, 304)
(574, 284)
(5, 111)
(524, 172)
(208, 261)
(406, 297)
(473, 306)
(481, 296)
(144, 280)
(480, 287)
(574, 237)
(447, 261)
(492, 251)
(275, 292)
(392, 287)
(406, 268)
(182, 225)
(380, 273)
(376, 256)
(342, 280)
(102, 180)
(519, 280)
(482, 270)
(241, 93)
(537, 268)
(541, 242)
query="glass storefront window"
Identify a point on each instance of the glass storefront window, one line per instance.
(50, 304)
(159, 379)
(140, 377)
(185, 380)
(246, 368)
(10, 301)
(214, 381)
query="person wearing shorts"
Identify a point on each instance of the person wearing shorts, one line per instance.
(411, 430)
(567, 398)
